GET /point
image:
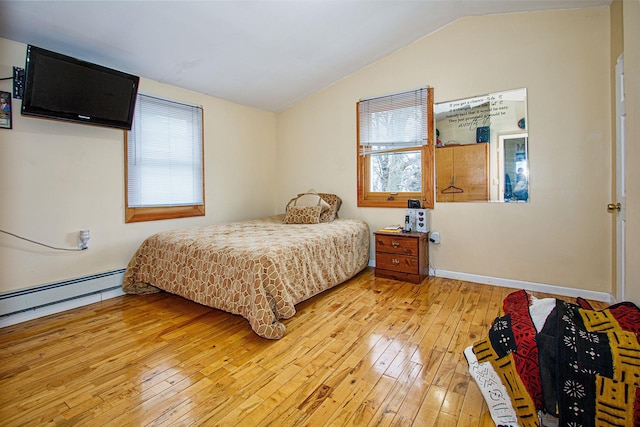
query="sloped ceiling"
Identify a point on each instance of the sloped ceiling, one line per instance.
(265, 54)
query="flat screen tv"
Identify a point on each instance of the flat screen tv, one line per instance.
(65, 88)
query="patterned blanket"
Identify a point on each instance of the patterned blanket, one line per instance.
(258, 269)
(560, 363)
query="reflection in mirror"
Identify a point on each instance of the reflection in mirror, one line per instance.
(513, 161)
(482, 148)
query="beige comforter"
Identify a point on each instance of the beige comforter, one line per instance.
(258, 269)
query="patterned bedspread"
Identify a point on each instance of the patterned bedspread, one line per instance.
(258, 269)
(550, 362)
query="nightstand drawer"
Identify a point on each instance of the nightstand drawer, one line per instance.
(396, 245)
(397, 262)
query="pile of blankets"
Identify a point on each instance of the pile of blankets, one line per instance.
(550, 362)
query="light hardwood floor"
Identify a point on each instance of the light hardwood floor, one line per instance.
(368, 352)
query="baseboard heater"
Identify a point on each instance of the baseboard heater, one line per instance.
(24, 304)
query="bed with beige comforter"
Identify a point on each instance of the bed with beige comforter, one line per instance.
(259, 269)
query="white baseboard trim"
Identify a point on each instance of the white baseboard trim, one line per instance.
(109, 292)
(529, 286)
(32, 303)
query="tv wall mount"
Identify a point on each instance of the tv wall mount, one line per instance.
(18, 82)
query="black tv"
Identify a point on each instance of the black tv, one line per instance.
(65, 88)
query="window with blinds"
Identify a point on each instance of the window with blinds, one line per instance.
(164, 169)
(395, 149)
(394, 121)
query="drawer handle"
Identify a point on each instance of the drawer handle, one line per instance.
(395, 244)
(395, 261)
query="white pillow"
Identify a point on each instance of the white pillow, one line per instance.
(309, 198)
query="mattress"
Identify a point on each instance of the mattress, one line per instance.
(259, 269)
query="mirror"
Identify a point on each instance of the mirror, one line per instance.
(482, 148)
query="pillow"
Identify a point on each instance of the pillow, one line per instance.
(303, 214)
(309, 198)
(334, 205)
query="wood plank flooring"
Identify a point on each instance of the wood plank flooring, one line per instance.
(369, 352)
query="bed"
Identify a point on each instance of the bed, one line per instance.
(259, 269)
(548, 362)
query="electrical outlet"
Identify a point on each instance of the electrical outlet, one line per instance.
(434, 237)
(83, 240)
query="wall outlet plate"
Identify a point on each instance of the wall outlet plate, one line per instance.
(83, 240)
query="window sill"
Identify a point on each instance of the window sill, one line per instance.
(160, 213)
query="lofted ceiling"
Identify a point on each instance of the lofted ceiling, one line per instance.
(268, 54)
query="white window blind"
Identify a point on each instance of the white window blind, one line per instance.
(394, 121)
(164, 150)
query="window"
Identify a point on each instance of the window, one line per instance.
(396, 149)
(164, 170)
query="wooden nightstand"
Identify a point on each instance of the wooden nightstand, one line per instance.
(402, 256)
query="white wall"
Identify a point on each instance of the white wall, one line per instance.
(57, 178)
(563, 236)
